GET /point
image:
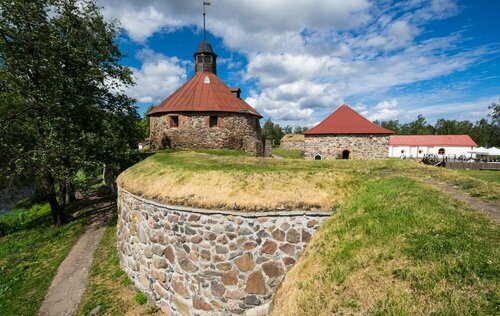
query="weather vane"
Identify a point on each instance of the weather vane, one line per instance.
(205, 3)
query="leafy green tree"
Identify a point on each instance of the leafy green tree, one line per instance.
(495, 112)
(268, 129)
(392, 125)
(60, 63)
(273, 132)
(145, 122)
(452, 127)
(287, 129)
(417, 127)
(300, 129)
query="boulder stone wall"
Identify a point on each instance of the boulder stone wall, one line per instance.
(357, 146)
(192, 261)
(192, 130)
(292, 145)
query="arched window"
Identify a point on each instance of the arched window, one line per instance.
(317, 157)
(420, 151)
(346, 154)
(403, 151)
(441, 151)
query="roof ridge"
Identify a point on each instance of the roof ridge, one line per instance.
(345, 120)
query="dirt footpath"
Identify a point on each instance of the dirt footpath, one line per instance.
(491, 208)
(70, 282)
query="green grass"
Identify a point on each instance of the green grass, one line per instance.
(140, 298)
(30, 252)
(398, 247)
(289, 154)
(486, 175)
(206, 178)
(109, 286)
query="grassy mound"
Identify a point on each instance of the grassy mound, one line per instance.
(398, 247)
(232, 180)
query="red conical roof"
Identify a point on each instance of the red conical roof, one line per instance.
(204, 92)
(346, 121)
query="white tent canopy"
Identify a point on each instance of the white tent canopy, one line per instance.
(480, 151)
(493, 151)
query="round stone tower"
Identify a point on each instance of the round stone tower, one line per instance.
(206, 113)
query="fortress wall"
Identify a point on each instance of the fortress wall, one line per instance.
(360, 146)
(233, 131)
(196, 261)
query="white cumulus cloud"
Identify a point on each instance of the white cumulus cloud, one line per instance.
(158, 77)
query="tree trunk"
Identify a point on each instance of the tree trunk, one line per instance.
(50, 192)
(71, 193)
(62, 196)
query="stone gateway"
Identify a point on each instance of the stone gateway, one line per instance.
(205, 113)
(345, 134)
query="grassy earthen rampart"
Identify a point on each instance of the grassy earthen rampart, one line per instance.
(226, 179)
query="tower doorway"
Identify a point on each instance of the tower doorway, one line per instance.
(346, 154)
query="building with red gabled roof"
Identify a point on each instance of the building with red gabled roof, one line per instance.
(205, 113)
(420, 145)
(346, 134)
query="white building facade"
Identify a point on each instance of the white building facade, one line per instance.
(419, 145)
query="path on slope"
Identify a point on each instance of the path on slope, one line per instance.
(70, 282)
(491, 208)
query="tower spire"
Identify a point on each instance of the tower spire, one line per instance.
(205, 59)
(205, 3)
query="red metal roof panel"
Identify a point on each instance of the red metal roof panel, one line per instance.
(204, 92)
(345, 120)
(432, 140)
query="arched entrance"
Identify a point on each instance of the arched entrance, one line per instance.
(346, 154)
(317, 157)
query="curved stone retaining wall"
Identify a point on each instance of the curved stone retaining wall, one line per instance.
(196, 261)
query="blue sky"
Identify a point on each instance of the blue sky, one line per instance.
(298, 61)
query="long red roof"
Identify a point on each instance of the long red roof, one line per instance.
(346, 121)
(432, 140)
(204, 92)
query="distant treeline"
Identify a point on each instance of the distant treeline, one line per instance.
(486, 131)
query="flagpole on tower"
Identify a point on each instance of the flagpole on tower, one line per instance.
(205, 3)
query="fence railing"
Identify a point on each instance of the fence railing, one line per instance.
(461, 162)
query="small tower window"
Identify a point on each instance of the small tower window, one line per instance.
(174, 121)
(441, 151)
(200, 58)
(208, 59)
(213, 121)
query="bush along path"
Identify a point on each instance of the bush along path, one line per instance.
(70, 282)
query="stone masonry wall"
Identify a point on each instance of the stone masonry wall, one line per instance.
(198, 262)
(360, 146)
(292, 145)
(234, 131)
